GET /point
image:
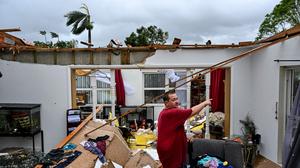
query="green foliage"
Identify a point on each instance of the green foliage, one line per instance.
(284, 15)
(80, 20)
(42, 44)
(54, 35)
(147, 36)
(66, 44)
(43, 32)
(248, 128)
(58, 44)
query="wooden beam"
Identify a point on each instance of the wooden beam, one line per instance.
(34, 57)
(55, 57)
(109, 58)
(73, 57)
(10, 30)
(73, 88)
(91, 57)
(227, 102)
(125, 58)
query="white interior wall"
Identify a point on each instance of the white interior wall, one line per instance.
(265, 90)
(255, 90)
(41, 84)
(241, 93)
(201, 57)
(266, 73)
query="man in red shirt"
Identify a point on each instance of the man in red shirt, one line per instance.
(172, 142)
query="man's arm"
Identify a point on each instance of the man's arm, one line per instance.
(196, 109)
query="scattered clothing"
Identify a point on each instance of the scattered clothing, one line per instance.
(101, 142)
(69, 159)
(55, 155)
(102, 146)
(59, 158)
(69, 146)
(207, 161)
(92, 147)
(101, 138)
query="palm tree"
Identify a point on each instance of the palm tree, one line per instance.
(54, 35)
(43, 32)
(80, 21)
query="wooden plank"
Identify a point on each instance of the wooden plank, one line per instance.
(125, 58)
(78, 128)
(91, 57)
(227, 102)
(34, 57)
(55, 57)
(10, 30)
(73, 88)
(109, 58)
(73, 57)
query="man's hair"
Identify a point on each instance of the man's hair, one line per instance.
(166, 95)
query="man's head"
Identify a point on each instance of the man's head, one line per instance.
(170, 99)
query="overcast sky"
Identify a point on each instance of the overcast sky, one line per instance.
(194, 21)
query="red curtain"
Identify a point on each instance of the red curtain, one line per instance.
(120, 91)
(217, 89)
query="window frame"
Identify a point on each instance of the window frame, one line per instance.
(90, 89)
(165, 88)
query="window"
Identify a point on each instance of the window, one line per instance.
(84, 91)
(156, 84)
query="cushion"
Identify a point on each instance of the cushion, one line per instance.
(207, 146)
(233, 153)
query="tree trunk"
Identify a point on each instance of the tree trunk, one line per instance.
(89, 38)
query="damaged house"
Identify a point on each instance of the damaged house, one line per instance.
(260, 82)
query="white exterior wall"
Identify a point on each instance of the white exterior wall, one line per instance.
(40, 84)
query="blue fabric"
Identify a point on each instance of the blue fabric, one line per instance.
(69, 160)
(92, 147)
(211, 162)
(69, 146)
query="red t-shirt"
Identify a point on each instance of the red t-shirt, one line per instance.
(171, 142)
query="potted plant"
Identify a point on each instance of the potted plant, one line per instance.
(248, 130)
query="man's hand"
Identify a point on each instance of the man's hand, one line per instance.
(196, 109)
(207, 102)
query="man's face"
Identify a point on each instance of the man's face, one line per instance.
(173, 101)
